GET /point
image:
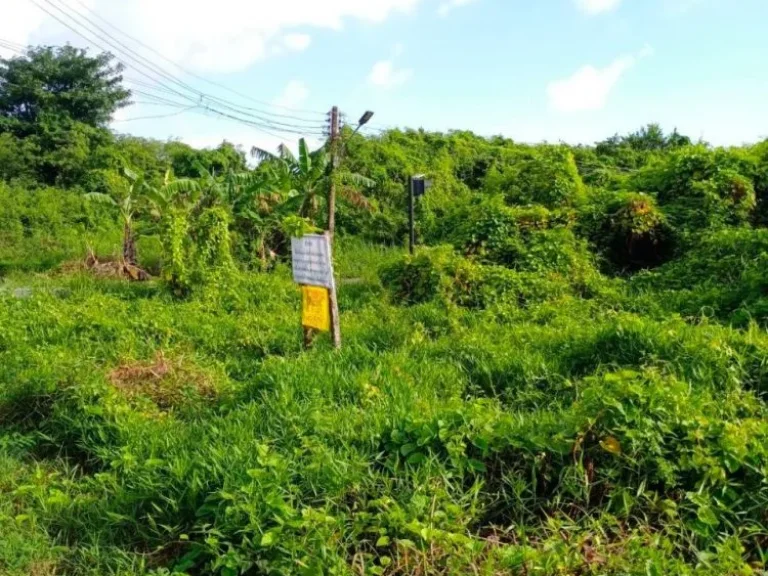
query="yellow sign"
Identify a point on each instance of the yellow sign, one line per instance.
(315, 308)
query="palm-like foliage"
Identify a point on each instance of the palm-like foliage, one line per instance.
(140, 195)
(305, 179)
(258, 201)
(127, 205)
(257, 206)
(184, 193)
(301, 178)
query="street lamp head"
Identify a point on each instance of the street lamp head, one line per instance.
(366, 118)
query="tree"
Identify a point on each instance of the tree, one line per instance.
(648, 138)
(64, 83)
(57, 102)
(186, 161)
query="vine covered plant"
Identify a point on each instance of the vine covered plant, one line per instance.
(567, 377)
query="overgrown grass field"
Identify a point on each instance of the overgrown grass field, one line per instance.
(588, 429)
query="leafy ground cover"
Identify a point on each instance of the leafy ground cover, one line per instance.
(146, 434)
(569, 377)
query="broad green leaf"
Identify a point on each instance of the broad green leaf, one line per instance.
(708, 516)
(268, 539)
(416, 458)
(382, 542)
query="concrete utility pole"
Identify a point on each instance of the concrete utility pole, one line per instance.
(334, 143)
(333, 298)
(336, 149)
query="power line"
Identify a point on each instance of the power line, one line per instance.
(148, 85)
(151, 103)
(160, 93)
(161, 101)
(138, 68)
(169, 75)
(156, 116)
(139, 64)
(12, 43)
(12, 46)
(203, 79)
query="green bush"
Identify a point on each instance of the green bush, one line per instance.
(760, 178)
(39, 229)
(722, 275)
(545, 175)
(701, 188)
(440, 275)
(420, 278)
(627, 229)
(527, 239)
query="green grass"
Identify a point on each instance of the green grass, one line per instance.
(142, 434)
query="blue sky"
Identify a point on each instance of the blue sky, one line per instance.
(533, 70)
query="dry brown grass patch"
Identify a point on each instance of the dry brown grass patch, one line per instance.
(44, 568)
(168, 383)
(109, 268)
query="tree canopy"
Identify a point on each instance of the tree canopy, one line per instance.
(63, 83)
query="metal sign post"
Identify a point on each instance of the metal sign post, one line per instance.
(417, 186)
(313, 270)
(411, 224)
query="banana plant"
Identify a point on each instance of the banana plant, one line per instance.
(305, 178)
(183, 193)
(258, 204)
(127, 205)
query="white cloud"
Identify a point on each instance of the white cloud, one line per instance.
(385, 75)
(449, 6)
(19, 19)
(589, 87)
(294, 95)
(597, 6)
(226, 37)
(297, 42)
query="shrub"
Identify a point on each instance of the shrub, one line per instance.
(545, 175)
(701, 188)
(39, 229)
(526, 239)
(443, 276)
(628, 230)
(720, 276)
(419, 278)
(760, 179)
(177, 248)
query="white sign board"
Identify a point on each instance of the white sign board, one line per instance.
(311, 255)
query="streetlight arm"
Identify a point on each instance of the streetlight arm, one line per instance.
(364, 119)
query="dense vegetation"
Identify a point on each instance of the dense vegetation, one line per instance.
(568, 377)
